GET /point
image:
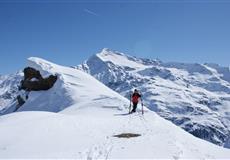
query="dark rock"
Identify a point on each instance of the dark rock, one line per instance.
(179, 120)
(40, 83)
(30, 73)
(127, 135)
(20, 100)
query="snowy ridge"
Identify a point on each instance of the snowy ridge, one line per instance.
(195, 96)
(85, 126)
(72, 87)
(89, 135)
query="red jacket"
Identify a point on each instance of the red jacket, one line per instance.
(135, 97)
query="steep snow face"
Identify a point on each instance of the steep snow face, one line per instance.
(195, 97)
(9, 90)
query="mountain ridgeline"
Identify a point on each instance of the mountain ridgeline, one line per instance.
(67, 113)
(194, 96)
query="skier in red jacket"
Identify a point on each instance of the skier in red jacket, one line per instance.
(135, 99)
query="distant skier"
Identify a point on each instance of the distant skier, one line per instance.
(135, 99)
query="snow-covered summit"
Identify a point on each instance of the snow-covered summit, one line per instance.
(84, 115)
(120, 59)
(191, 95)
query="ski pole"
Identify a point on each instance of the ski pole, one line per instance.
(130, 103)
(142, 106)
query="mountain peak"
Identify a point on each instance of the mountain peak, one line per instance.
(109, 52)
(120, 59)
(106, 50)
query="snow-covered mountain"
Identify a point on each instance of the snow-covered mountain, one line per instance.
(195, 96)
(83, 117)
(9, 90)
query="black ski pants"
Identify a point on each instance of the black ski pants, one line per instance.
(134, 107)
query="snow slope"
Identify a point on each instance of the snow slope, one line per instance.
(84, 127)
(195, 96)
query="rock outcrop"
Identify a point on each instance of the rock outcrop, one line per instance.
(33, 80)
(20, 100)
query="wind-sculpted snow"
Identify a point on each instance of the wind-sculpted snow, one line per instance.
(69, 89)
(65, 91)
(195, 96)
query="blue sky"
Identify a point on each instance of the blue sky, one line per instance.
(69, 32)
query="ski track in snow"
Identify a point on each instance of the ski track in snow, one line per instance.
(105, 148)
